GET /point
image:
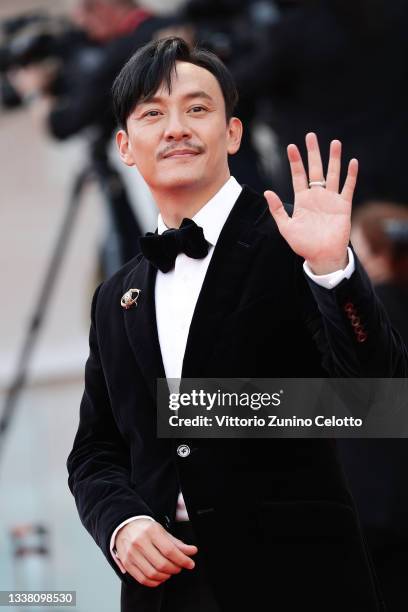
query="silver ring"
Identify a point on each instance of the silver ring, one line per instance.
(317, 183)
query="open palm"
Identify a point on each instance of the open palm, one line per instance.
(319, 228)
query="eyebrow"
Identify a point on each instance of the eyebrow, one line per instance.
(188, 96)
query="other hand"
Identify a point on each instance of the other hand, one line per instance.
(151, 554)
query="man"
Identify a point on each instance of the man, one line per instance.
(273, 523)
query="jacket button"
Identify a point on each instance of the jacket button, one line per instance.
(361, 336)
(349, 307)
(183, 450)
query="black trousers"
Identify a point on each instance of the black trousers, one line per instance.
(188, 591)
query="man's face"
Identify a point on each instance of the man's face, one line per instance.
(182, 140)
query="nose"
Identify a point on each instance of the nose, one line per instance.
(176, 128)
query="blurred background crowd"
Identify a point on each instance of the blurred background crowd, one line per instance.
(71, 216)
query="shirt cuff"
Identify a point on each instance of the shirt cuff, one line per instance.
(329, 281)
(112, 540)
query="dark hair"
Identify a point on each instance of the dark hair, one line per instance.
(154, 64)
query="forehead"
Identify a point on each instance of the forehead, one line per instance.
(189, 77)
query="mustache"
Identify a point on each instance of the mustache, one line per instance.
(185, 145)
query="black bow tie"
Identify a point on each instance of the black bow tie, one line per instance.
(162, 249)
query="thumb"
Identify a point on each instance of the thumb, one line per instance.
(276, 209)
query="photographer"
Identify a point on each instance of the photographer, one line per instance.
(115, 29)
(71, 91)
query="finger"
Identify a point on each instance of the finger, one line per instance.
(350, 182)
(314, 159)
(333, 169)
(277, 210)
(148, 570)
(138, 575)
(154, 556)
(191, 548)
(171, 551)
(297, 169)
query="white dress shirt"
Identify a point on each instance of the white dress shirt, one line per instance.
(176, 294)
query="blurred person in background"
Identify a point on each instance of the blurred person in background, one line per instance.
(338, 68)
(73, 96)
(377, 469)
(380, 237)
(114, 30)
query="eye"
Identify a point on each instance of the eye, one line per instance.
(151, 113)
(197, 108)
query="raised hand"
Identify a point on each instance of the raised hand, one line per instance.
(319, 229)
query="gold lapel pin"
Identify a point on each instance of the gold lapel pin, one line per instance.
(129, 299)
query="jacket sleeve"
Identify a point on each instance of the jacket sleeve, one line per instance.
(99, 462)
(351, 328)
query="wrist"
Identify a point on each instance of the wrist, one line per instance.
(328, 266)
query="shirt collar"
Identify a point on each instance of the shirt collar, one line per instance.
(212, 216)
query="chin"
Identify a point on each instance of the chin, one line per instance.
(182, 181)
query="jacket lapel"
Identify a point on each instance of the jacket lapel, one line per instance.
(222, 287)
(140, 323)
(219, 294)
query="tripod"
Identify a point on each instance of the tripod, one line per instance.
(121, 246)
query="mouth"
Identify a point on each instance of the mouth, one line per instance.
(181, 153)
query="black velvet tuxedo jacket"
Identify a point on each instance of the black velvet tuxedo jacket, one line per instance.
(274, 519)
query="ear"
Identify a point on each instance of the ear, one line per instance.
(235, 130)
(125, 151)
